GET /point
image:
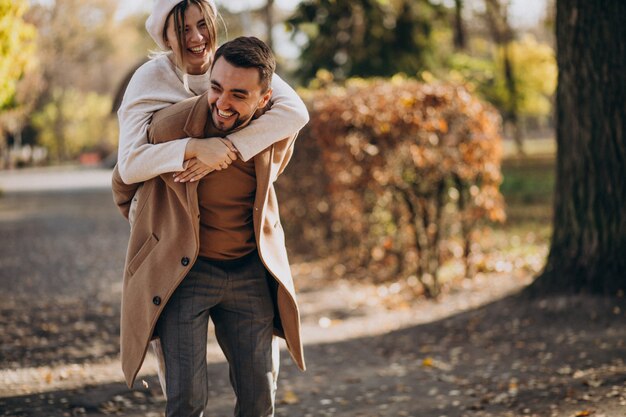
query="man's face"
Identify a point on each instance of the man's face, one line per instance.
(235, 95)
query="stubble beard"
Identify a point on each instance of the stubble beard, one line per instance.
(220, 125)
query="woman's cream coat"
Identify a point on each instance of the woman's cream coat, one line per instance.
(164, 238)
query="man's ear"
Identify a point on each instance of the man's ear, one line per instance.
(266, 98)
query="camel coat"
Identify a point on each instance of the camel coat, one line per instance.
(164, 237)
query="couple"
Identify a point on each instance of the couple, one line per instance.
(206, 246)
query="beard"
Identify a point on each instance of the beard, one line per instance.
(239, 122)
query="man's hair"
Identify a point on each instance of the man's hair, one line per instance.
(249, 52)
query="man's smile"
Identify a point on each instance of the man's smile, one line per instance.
(224, 113)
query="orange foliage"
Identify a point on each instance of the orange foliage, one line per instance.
(404, 148)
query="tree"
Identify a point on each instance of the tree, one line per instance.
(83, 48)
(534, 69)
(365, 37)
(82, 119)
(81, 45)
(269, 22)
(502, 33)
(17, 59)
(460, 38)
(17, 48)
(588, 247)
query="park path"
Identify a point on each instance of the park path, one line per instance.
(480, 351)
(54, 179)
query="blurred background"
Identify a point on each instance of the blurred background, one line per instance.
(67, 63)
(417, 206)
(67, 55)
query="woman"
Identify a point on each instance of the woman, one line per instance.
(187, 33)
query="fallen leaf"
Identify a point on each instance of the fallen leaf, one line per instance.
(290, 397)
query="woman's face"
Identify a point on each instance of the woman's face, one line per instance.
(196, 54)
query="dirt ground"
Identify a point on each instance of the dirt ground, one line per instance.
(482, 350)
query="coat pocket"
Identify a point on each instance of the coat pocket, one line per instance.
(142, 253)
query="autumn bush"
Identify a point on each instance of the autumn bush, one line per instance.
(394, 173)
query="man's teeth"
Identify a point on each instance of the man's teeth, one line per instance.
(224, 113)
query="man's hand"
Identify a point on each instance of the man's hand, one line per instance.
(230, 145)
(213, 153)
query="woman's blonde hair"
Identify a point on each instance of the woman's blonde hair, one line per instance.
(178, 14)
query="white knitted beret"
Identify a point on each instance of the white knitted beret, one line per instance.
(156, 21)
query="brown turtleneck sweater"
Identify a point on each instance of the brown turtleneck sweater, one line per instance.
(226, 200)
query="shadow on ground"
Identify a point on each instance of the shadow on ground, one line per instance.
(559, 356)
(61, 256)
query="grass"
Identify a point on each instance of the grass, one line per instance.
(533, 146)
(520, 244)
(528, 181)
(528, 191)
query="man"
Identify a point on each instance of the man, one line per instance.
(212, 248)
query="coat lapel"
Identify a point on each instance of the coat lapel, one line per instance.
(198, 117)
(195, 128)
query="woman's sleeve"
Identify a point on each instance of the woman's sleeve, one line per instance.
(139, 160)
(286, 117)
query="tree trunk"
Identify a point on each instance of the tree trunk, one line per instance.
(459, 27)
(503, 34)
(5, 159)
(269, 22)
(588, 249)
(512, 112)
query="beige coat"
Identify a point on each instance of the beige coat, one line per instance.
(164, 237)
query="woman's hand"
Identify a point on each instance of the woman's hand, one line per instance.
(204, 156)
(230, 146)
(195, 170)
(212, 152)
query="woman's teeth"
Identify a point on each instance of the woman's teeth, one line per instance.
(197, 50)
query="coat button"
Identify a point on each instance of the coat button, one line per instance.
(184, 261)
(156, 300)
